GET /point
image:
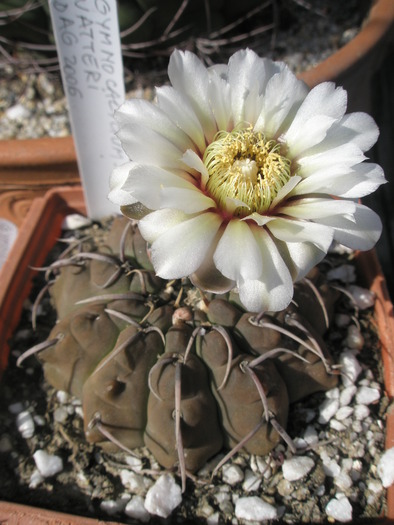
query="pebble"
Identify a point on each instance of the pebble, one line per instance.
(343, 481)
(350, 367)
(347, 395)
(362, 297)
(112, 507)
(60, 414)
(366, 395)
(354, 338)
(340, 509)
(25, 424)
(16, 408)
(47, 464)
(251, 481)
(135, 509)
(74, 221)
(134, 482)
(343, 413)
(386, 467)
(254, 508)
(232, 474)
(327, 410)
(35, 479)
(361, 412)
(163, 497)
(297, 467)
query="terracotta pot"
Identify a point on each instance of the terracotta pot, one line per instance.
(29, 168)
(39, 233)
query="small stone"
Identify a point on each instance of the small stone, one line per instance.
(297, 467)
(112, 507)
(347, 395)
(62, 397)
(331, 467)
(337, 425)
(251, 481)
(60, 414)
(362, 297)
(340, 509)
(327, 410)
(375, 486)
(47, 464)
(386, 468)
(350, 367)
(310, 435)
(366, 395)
(135, 509)
(232, 474)
(17, 112)
(134, 482)
(343, 413)
(354, 338)
(25, 424)
(361, 412)
(74, 221)
(254, 508)
(35, 479)
(343, 481)
(163, 497)
(16, 408)
(285, 487)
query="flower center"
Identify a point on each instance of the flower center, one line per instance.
(243, 166)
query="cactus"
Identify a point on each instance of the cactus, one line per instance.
(157, 364)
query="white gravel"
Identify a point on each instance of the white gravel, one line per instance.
(163, 497)
(340, 509)
(386, 467)
(47, 464)
(297, 467)
(254, 508)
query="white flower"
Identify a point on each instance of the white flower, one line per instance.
(242, 176)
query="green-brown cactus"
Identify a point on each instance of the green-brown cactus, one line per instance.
(157, 364)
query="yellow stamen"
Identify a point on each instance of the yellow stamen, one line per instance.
(244, 166)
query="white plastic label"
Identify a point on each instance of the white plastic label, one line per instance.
(88, 45)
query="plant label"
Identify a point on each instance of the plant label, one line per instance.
(88, 44)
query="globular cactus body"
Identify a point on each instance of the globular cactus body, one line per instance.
(154, 365)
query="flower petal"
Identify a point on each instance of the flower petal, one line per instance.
(190, 77)
(353, 183)
(360, 234)
(157, 188)
(158, 222)
(282, 98)
(117, 178)
(274, 290)
(301, 231)
(248, 72)
(314, 208)
(207, 277)
(220, 97)
(357, 128)
(181, 250)
(300, 257)
(330, 161)
(146, 146)
(136, 112)
(178, 107)
(191, 159)
(238, 256)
